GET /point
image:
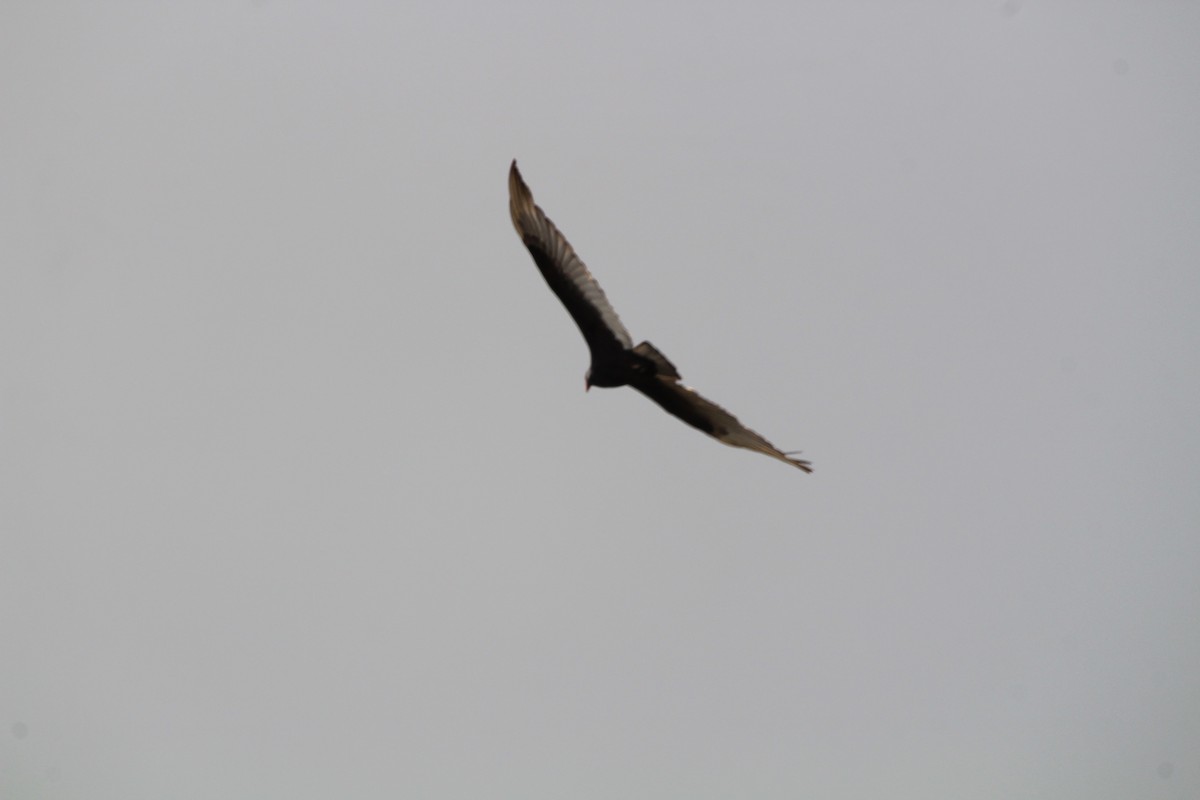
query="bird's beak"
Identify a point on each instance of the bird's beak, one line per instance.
(587, 385)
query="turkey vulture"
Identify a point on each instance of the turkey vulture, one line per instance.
(615, 359)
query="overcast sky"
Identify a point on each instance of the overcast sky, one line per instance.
(301, 495)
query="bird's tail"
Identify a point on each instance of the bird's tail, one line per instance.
(663, 367)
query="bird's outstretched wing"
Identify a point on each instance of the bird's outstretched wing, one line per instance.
(566, 273)
(685, 403)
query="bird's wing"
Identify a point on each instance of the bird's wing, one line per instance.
(565, 272)
(685, 403)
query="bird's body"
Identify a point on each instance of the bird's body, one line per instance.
(615, 359)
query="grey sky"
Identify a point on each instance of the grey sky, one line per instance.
(301, 495)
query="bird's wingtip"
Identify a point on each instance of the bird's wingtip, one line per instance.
(518, 191)
(801, 463)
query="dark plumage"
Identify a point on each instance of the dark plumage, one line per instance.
(615, 360)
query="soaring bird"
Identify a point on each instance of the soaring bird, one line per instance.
(615, 359)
